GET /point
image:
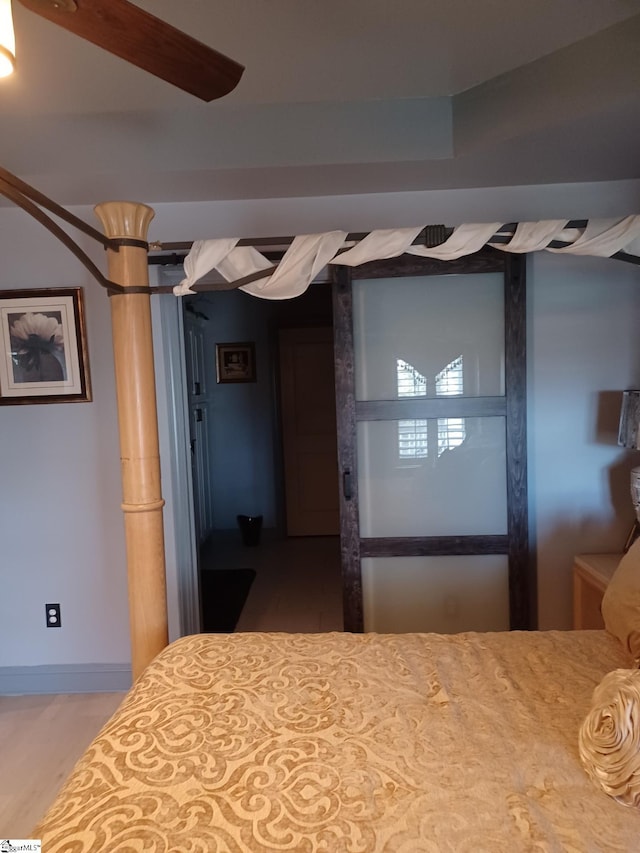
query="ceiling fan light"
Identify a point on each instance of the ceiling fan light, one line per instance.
(7, 39)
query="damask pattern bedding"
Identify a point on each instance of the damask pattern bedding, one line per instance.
(349, 744)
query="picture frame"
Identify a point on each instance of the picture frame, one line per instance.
(43, 347)
(235, 362)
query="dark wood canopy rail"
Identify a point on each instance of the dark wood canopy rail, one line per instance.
(32, 200)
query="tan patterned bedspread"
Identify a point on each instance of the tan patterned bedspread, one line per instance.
(351, 743)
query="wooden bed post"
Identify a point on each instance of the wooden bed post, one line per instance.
(138, 420)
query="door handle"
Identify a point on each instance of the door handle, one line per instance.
(346, 484)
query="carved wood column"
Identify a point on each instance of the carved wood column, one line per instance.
(138, 422)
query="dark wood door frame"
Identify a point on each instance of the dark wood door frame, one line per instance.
(515, 544)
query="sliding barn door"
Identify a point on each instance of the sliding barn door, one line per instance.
(430, 378)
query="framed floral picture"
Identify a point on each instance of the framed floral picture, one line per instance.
(236, 362)
(43, 347)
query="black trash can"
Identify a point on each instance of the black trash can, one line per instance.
(250, 527)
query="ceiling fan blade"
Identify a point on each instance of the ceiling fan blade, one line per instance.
(142, 39)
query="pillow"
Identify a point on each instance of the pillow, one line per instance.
(621, 602)
(609, 740)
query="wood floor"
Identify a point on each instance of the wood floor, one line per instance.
(297, 589)
(41, 738)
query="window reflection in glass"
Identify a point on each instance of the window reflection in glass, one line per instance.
(413, 435)
(413, 440)
(450, 383)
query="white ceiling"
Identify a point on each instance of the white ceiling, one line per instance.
(337, 97)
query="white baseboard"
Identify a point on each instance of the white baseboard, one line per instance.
(68, 678)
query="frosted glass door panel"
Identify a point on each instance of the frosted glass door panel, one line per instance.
(436, 477)
(445, 595)
(417, 337)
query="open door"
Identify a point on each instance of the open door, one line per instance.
(431, 402)
(199, 401)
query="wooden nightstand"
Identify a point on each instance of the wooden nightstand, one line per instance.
(591, 575)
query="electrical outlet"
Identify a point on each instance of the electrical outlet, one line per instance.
(53, 615)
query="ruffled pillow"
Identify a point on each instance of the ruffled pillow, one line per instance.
(621, 602)
(609, 739)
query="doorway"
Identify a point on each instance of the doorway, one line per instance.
(520, 584)
(297, 581)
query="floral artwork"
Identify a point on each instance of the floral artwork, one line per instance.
(44, 347)
(37, 347)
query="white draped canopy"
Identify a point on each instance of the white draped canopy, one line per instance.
(309, 253)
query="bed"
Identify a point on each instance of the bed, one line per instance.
(350, 742)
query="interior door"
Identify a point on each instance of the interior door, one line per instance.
(307, 394)
(199, 412)
(431, 396)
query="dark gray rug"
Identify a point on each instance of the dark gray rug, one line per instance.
(223, 594)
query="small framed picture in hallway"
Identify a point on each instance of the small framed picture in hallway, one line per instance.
(236, 362)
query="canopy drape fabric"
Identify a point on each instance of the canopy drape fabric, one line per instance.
(302, 262)
(309, 253)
